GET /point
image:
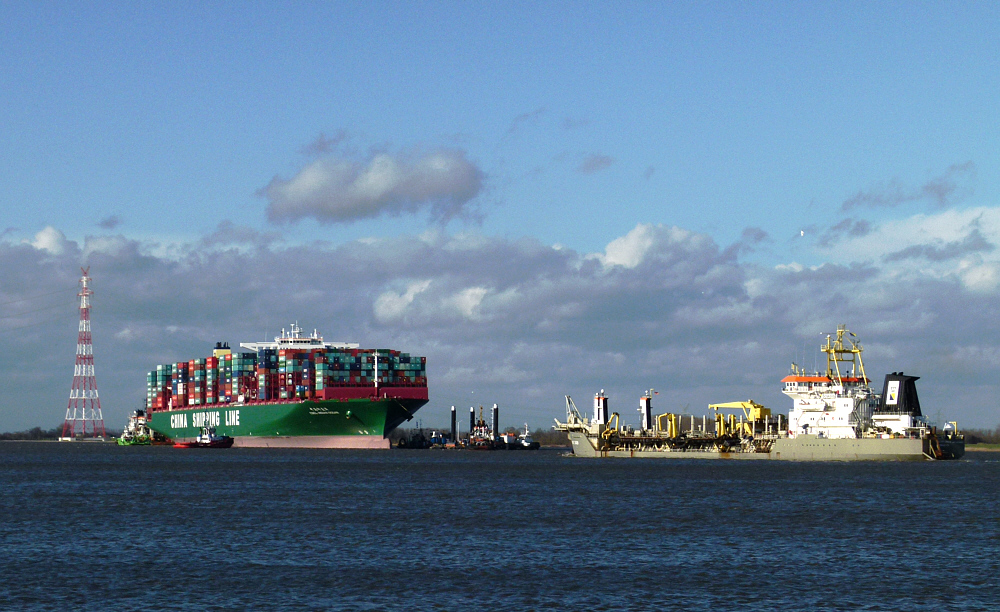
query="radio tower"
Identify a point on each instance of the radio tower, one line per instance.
(84, 408)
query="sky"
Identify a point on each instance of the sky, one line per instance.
(544, 199)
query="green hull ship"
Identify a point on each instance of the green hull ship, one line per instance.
(336, 423)
(294, 392)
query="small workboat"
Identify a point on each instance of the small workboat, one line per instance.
(524, 441)
(207, 439)
(137, 432)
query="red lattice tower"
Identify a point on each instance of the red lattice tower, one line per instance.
(84, 406)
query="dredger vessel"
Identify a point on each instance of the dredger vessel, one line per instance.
(835, 416)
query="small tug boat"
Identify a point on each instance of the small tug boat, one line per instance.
(207, 439)
(482, 436)
(522, 441)
(137, 431)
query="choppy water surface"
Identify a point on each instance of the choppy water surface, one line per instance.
(98, 527)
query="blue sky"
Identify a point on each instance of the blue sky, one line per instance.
(781, 138)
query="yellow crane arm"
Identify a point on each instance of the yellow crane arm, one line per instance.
(751, 409)
(607, 432)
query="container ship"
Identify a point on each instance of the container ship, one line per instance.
(834, 416)
(298, 391)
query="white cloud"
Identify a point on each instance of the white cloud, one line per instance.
(647, 240)
(339, 190)
(107, 245)
(629, 250)
(519, 322)
(981, 278)
(467, 301)
(391, 306)
(51, 240)
(921, 229)
(127, 334)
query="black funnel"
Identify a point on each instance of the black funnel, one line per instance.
(899, 395)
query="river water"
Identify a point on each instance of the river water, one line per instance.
(90, 526)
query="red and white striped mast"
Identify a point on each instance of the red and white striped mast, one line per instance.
(84, 408)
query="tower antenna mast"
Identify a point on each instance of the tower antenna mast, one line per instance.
(84, 409)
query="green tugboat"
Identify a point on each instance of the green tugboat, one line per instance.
(137, 431)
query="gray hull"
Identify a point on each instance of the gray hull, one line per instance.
(800, 448)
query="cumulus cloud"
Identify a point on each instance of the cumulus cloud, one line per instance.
(629, 250)
(107, 245)
(983, 278)
(973, 242)
(938, 243)
(340, 190)
(652, 241)
(51, 240)
(467, 301)
(518, 321)
(941, 190)
(392, 306)
(594, 163)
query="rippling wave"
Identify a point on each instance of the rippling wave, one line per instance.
(101, 527)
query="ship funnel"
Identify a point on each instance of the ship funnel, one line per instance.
(600, 408)
(646, 410)
(899, 395)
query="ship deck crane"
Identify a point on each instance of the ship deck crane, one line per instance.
(753, 412)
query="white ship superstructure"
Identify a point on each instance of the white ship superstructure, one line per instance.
(837, 404)
(841, 402)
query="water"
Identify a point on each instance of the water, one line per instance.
(99, 527)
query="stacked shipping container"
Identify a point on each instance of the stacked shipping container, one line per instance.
(285, 374)
(158, 387)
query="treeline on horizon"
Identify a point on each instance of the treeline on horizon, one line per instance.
(35, 433)
(982, 436)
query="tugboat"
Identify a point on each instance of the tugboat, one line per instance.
(482, 435)
(522, 441)
(526, 441)
(207, 439)
(137, 431)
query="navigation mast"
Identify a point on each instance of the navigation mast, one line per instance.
(845, 349)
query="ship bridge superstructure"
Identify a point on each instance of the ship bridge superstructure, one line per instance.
(294, 340)
(837, 404)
